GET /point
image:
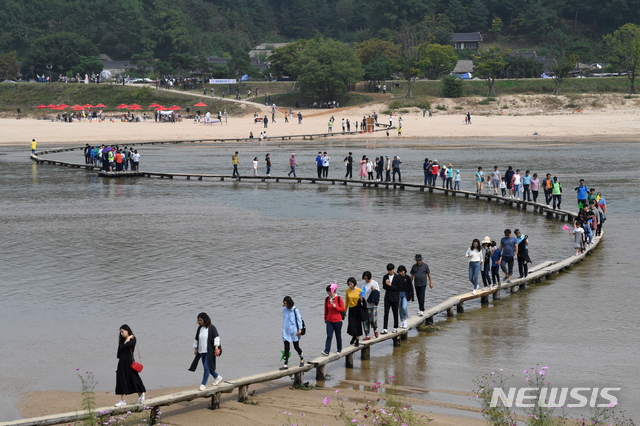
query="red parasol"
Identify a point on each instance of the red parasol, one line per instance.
(155, 105)
(100, 106)
(51, 106)
(160, 108)
(63, 106)
(200, 104)
(87, 106)
(41, 106)
(135, 107)
(77, 108)
(174, 108)
(122, 106)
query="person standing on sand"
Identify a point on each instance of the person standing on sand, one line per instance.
(291, 331)
(469, 117)
(34, 145)
(293, 163)
(207, 348)
(128, 380)
(235, 161)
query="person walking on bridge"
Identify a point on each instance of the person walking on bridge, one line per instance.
(419, 275)
(292, 327)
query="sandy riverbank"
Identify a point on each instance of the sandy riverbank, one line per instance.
(609, 124)
(274, 403)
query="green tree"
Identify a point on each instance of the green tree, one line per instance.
(489, 64)
(452, 87)
(142, 62)
(477, 16)
(436, 60)
(377, 70)
(240, 63)
(61, 50)
(624, 48)
(373, 48)
(284, 60)
(9, 66)
(184, 63)
(88, 65)
(409, 38)
(561, 70)
(327, 69)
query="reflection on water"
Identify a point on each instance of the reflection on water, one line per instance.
(82, 255)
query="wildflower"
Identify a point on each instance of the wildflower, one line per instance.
(337, 390)
(542, 372)
(325, 401)
(354, 420)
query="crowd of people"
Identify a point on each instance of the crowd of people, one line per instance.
(112, 159)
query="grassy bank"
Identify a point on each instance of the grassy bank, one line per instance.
(290, 99)
(27, 95)
(531, 86)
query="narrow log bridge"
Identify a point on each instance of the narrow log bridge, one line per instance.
(449, 308)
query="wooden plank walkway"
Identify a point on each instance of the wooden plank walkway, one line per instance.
(452, 306)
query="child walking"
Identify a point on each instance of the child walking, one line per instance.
(456, 181)
(255, 166)
(496, 257)
(578, 233)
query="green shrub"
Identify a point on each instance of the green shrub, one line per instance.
(486, 101)
(452, 87)
(442, 108)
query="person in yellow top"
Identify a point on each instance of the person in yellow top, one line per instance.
(235, 161)
(33, 146)
(354, 296)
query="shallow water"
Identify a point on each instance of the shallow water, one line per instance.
(82, 255)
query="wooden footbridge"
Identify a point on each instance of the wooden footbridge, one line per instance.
(450, 307)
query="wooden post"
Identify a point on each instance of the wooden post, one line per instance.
(522, 286)
(496, 295)
(348, 360)
(484, 300)
(365, 353)
(277, 180)
(404, 336)
(460, 307)
(396, 342)
(450, 312)
(188, 177)
(429, 321)
(297, 378)
(514, 289)
(243, 393)
(320, 372)
(422, 189)
(221, 178)
(215, 401)
(199, 177)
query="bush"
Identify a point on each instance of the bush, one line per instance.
(442, 107)
(452, 87)
(486, 101)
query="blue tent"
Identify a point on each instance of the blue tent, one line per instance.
(543, 75)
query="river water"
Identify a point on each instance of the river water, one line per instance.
(83, 255)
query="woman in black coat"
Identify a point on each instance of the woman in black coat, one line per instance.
(207, 347)
(128, 380)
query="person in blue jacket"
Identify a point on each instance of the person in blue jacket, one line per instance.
(583, 191)
(291, 330)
